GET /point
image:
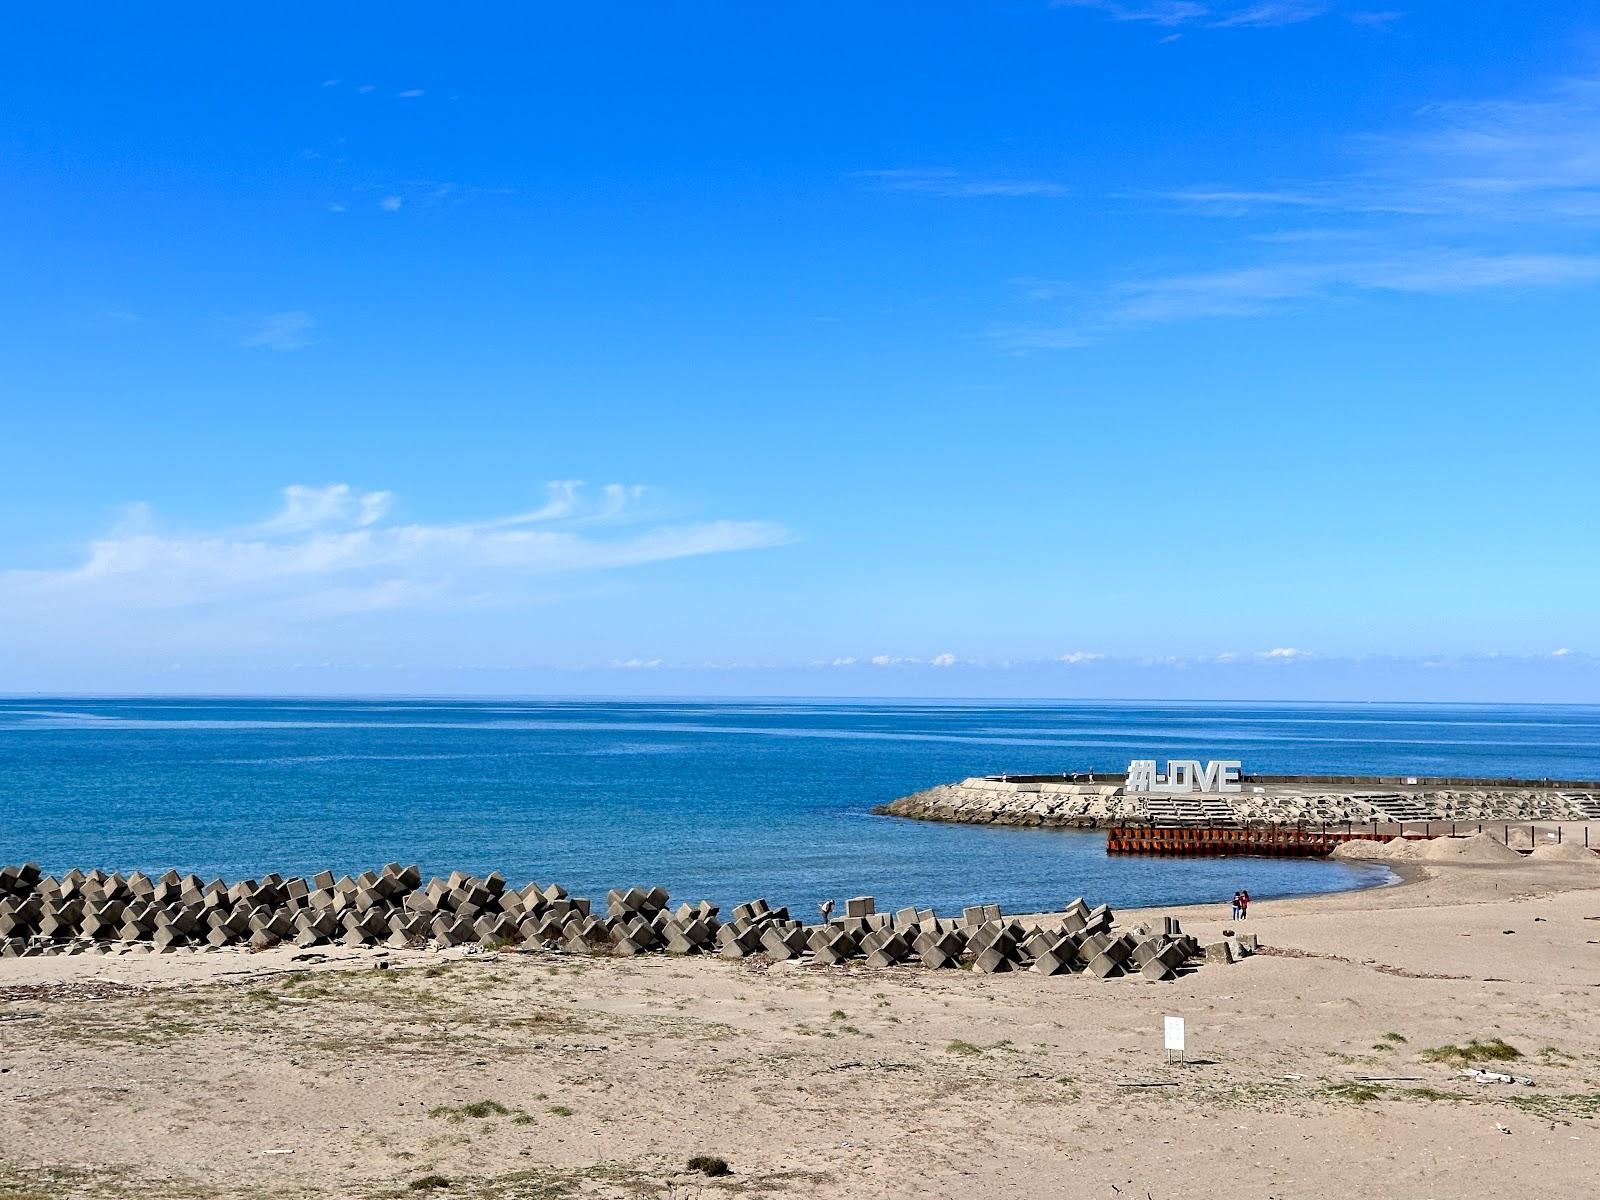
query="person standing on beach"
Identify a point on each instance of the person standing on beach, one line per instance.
(826, 909)
(1237, 909)
(1244, 906)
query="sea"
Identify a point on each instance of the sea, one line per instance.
(718, 800)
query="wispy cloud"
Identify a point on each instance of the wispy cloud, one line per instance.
(1470, 197)
(1075, 658)
(1244, 291)
(956, 185)
(334, 549)
(1220, 14)
(306, 508)
(282, 331)
(1528, 159)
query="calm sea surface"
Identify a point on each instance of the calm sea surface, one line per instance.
(718, 800)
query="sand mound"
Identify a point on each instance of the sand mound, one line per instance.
(1565, 852)
(1479, 848)
(1365, 851)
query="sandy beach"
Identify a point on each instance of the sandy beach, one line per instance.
(1322, 1067)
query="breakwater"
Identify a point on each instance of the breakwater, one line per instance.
(1085, 801)
(98, 912)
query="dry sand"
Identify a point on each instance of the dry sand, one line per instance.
(228, 1074)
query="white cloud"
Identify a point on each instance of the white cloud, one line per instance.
(1561, 653)
(333, 549)
(843, 662)
(410, 93)
(391, 203)
(1286, 654)
(282, 331)
(639, 664)
(942, 660)
(1075, 657)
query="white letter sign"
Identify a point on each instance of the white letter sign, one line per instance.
(1185, 775)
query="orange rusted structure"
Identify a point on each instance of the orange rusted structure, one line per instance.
(1216, 841)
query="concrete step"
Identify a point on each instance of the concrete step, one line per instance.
(1394, 807)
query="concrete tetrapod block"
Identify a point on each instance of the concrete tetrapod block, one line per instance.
(678, 939)
(885, 947)
(737, 941)
(936, 950)
(1060, 957)
(1113, 960)
(860, 906)
(783, 942)
(831, 945)
(992, 933)
(1158, 970)
(993, 961)
(1039, 942)
(1105, 966)
(1147, 949)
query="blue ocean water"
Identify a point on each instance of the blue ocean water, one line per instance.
(720, 800)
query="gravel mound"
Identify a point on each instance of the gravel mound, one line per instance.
(1479, 848)
(1365, 851)
(1565, 852)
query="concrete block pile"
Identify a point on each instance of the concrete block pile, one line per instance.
(98, 912)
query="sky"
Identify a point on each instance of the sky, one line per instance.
(1146, 348)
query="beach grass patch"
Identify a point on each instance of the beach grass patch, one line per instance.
(967, 1049)
(1399, 1039)
(1561, 1108)
(561, 1110)
(428, 1183)
(1354, 1092)
(1477, 1050)
(478, 1110)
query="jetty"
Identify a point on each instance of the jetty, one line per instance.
(1277, 815)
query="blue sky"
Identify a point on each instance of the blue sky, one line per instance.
(1135, 347)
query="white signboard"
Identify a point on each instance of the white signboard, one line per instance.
(1174, 1033)
(1184, 775)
